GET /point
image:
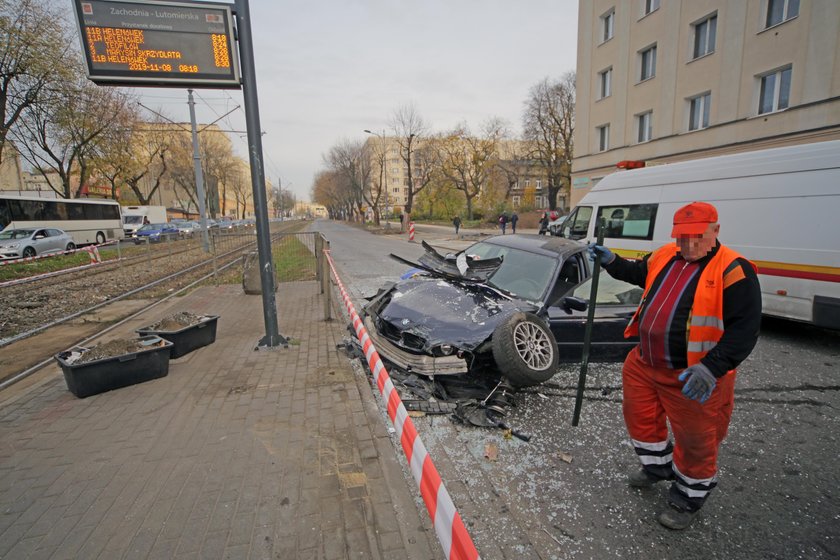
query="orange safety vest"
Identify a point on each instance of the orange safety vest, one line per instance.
(705, 320)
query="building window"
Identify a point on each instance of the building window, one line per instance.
(781, 10)
(649, 6)
(774, 94)
(644, 123)
(704, 36)
(515, 200)
(648, 64)
(698, 111)
(605, 83)
(608, 25)
(603, 137)
(527, 183)
(539, 183)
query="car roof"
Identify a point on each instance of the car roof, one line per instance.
(541, 244)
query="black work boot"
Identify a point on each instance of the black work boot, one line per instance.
(642, 479)
(676, 518)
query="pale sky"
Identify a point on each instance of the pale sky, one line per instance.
(328, 69)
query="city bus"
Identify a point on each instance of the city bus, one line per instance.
(86, 220)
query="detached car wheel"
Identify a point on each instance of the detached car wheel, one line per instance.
(525, 350)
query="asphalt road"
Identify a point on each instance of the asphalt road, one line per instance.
(778, 494)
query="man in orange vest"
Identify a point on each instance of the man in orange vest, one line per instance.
(698, 320)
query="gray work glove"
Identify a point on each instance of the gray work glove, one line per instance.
(701, 382)
(600, 252)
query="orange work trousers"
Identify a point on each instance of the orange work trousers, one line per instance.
(653, 394)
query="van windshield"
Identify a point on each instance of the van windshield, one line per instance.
(576, 225)
(130, 220)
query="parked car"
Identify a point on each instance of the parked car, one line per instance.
(29, 242)
(226, 224)
(554, 226)
(155, 233)
(186, 229)
(512, 306)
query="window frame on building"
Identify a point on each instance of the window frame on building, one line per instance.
(605, 83)
(778, 76)
(785, 14)
(706, 29)
(649, 6)
(608, 25)
(647, 58)
(603, 135)
(698, 120)
(644, 127)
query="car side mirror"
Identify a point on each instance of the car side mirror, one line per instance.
(574, 303)
(39, 236)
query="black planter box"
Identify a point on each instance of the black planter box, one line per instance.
(189, 338)
(92, 378)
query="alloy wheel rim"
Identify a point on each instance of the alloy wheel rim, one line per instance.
(533, 346)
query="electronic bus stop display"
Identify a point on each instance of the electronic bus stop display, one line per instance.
(158, 43)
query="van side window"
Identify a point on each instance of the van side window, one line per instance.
(631, 221)
(577, 224)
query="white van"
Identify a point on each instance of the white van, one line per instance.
(779, 207)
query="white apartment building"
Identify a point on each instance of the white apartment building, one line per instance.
(660, 81)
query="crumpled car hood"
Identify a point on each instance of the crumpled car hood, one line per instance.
(423, 312)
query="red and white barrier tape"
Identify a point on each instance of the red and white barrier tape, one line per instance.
(450, 529)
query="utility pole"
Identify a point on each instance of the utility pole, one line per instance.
(199, 175)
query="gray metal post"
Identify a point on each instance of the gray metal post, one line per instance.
(319, 256)
(326, 288)
(199, 175)
(255, 151)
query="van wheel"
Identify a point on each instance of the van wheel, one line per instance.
(70, 247)
(100, 238)
(28, 252)
(525, 350)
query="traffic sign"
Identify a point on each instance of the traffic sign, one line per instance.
(158, 43)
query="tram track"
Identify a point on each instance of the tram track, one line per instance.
(26, 350)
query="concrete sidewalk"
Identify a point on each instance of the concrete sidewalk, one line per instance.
(235, 454)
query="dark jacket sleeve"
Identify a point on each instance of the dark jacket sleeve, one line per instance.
(741, 323)
(633, 272)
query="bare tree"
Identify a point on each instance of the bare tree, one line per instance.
(33, 55)
(332, 190)
(350, 160)
(549, 123)
(468, 160)
(409, 129)
(133, 152)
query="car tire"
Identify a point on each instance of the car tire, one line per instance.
(70, 247)
(28, 252)
(100, 238)
(525, 350)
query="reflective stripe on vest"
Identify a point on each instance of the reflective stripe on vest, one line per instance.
(705, 327)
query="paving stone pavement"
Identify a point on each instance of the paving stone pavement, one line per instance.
(236, 453)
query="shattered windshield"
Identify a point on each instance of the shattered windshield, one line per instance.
(524, 274)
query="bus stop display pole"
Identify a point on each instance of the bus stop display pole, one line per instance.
(199, 176)
(252, 118)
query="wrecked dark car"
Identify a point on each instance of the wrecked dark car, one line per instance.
(511, 306)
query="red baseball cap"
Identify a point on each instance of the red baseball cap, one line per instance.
(694, 219)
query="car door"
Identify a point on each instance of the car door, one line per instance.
(56, 240)
(616, 302)
(41, 242)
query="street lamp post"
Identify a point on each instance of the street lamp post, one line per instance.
(383, 170)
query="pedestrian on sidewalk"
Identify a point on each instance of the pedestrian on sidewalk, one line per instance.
(683, 369)
(503, 219)
(456, 221)
(544, 224)
(513, 219)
